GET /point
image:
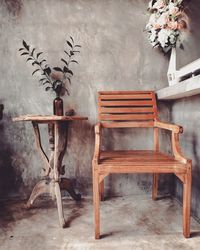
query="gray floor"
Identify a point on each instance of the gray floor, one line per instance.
(131, 222)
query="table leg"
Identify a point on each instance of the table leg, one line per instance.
(59, 205)
(56, 173)
(65, 183)
(68, 185)
(42, 187)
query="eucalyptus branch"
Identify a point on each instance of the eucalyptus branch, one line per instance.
(47, 76)
(54, 79)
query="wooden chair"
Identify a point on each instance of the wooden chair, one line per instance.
(130, 109)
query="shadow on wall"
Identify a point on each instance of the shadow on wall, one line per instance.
(9, 179)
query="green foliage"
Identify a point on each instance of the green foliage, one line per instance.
(49, 78)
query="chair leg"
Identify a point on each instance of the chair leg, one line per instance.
(102, 190)
(96, 201)
(187, 203)
(155, 186)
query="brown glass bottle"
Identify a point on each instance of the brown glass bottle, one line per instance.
(58, 106)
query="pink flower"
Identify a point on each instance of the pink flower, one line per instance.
(174, 11)
(157, 26)
(172, 25)
(182, 25)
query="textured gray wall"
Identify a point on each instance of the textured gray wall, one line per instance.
(186, 111)
(115, 55)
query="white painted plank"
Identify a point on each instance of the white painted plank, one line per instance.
(182, 89)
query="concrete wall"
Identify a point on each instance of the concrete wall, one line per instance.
(186, 111)
(115, 55)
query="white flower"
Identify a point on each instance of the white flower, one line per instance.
(150, 4)
(159, 4)
(152, 19)
(162, 20)
(173, 10)
(163, 36)
(153, 35)
(172, 39)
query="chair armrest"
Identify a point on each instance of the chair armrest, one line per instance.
(176, 148)
(168, 126)
(176, 130)
(97, 129)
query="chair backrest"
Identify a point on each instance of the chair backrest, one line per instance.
(118, 109)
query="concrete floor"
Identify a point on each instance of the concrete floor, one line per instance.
(131, 222)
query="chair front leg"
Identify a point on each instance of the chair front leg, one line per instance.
(155, 186)
(187, 202)
(102, 190)
(96, 202)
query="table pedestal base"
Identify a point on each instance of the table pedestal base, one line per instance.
(52, 169)
(54, 190)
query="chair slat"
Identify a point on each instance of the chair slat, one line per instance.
(126, 103)
(104, 110)
(129, 117)
(126, 96)
(124, 92)
(133, 124)
(124, 109)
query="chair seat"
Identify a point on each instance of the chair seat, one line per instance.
(139, 161)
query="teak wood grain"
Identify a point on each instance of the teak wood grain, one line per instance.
(137, 109)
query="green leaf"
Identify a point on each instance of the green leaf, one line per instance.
(66, 52)
(47, 71)
(35, 62)
(21, 49)
(67, 91)
(25, 45)
(47, 88)
(32, 52)
(69, 80)
(64, 61)
(24, 53)
(79, 46)
(42, 79)
(70, 72)
(42, 61)
(35, 71)
(58, 69)
(66, 70)
(38, 54)
(72, 39)
(29, 59)
(181, 46)
(74, 61)
(70, 45)
(45, 82)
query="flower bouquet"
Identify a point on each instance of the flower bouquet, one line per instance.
(165, 23)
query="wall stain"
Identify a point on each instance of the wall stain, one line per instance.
(14, 7)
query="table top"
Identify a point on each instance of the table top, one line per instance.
(48, 118)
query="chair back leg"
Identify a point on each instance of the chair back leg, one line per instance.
(96, 201)
(187, 203)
